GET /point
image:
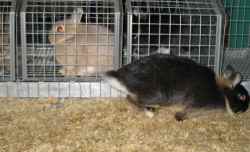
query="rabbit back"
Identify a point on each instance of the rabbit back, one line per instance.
(164, 79)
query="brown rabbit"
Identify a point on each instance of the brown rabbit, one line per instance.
(82, 49)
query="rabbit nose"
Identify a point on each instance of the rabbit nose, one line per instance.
(60, 29)
(243, 98)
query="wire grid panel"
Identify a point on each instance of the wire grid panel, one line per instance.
(69, 39)
(7, 40)
(239, 59)
(238, 29)
(237, 36)
(191, 28)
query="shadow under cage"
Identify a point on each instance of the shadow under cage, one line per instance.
(69, 40)
(189, 28)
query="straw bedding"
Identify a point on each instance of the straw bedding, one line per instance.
(113, 125)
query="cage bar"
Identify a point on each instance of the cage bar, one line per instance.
(7, 40)
(69, 40)
(190, 28)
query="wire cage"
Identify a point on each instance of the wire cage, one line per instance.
(190, 28)
(69, 40)
(237, 36)
(7, 40)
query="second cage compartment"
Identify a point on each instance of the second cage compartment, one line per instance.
(237, 36)
(69, 39)
(191, 28)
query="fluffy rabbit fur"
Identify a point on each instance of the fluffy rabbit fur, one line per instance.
(165, 80)
(82, 49)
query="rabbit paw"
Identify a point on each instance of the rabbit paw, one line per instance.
(180, 116)
(62, 71)
(87, 71)
(149, 113)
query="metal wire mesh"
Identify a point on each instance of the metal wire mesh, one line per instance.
(238, 31)
(190, 28)
(7, 40)
(239, 59)
(237, 36)
(69, 39)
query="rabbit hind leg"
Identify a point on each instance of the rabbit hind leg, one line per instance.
(190, 112)
(138, 104)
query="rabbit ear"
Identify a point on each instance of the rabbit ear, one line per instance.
(163, 50)
(236, 79)
(230, 75)
(77, 15)
(228, 72)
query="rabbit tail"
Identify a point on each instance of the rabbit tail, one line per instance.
(112, 78)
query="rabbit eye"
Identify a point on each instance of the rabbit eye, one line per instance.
(60, 29)
(242, 97)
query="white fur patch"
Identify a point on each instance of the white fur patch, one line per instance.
(229, 110)
(91, 69)
(163, 50)
(237, 79)
(148, 113)
(117, 85)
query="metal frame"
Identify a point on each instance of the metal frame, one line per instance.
(18, 86)
(58, 89)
